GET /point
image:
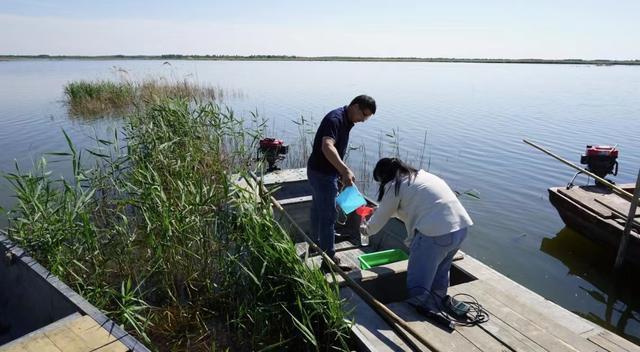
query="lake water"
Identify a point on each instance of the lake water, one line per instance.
(474, 116)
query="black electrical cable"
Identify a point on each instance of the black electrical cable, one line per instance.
(475, 316)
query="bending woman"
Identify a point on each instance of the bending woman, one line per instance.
(436, 225)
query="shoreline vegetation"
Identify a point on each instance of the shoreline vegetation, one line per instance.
(108, 97)
(152, 229)
(598, 62)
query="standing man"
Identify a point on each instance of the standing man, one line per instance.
(325, 165)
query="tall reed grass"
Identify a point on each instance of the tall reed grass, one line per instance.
(154, 231)
(104, 97)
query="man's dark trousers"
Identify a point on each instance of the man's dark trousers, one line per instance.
(323, 209)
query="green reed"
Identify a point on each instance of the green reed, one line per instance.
(156, 232)
(105, 97)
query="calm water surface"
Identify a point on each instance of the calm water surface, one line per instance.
(474, 117)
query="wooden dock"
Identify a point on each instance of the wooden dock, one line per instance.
(75, 333)
(519, 319)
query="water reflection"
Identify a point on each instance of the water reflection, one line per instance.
(614, 291)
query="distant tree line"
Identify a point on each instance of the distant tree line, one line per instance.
(602, 62)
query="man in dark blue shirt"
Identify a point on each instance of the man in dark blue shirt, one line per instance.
(325, 165)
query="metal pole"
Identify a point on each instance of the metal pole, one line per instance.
(627, 226)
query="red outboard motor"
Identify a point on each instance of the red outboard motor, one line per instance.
(601, 160)
(272, 150)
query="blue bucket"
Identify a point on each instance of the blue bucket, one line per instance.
(350, 199)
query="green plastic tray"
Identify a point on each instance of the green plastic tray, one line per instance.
(368, 261)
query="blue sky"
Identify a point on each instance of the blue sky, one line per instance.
(497, 29)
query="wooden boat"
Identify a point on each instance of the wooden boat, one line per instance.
(520, 320)
(38, 312)
(599, 214)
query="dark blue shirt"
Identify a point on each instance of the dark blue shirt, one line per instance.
(337, 126)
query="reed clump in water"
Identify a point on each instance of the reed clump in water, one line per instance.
(98, 97)
(104, 97)
(156, 233)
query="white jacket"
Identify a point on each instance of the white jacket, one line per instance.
(426, 204)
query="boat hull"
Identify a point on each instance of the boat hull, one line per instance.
(592, 219)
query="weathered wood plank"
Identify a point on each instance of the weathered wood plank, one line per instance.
(611, 342)
(16, 347)
(441, 339)
(606, 344)
(587, 196)
(485, 342)
(620, 341)
(586, 199)
(35, 343)
(506, 334)
(284, 176)
(94, 335)
(536, 325)
(540, 308)
(518, 320)
(23, 343)
(374, 333)
(66, 340)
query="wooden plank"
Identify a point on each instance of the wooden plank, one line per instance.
(498, 331)
(23, 343)
(34, 343)
(115, 346)
(371, 329)
(532, 323)
(486, 342)
(441, 339)
(612, 342)
(351, 257)
(66, 340)
(616, 202)
(94, 335)
(518, 294)
(619, 340)
(586, 199)
(345, 250)
(284, 176)
(41, 343)
(14, 347)
(518, 320)
(606, 344)
(587, 196)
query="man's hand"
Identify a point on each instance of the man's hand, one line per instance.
(331, 153)
(347, 177)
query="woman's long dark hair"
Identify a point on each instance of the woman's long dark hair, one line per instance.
(392, 169)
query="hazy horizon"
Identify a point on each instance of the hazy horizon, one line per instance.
(466, 29)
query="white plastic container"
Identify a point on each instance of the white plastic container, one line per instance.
(364, 238)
